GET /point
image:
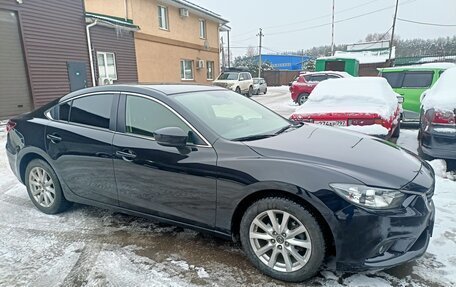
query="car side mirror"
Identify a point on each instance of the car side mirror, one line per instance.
(171, 137)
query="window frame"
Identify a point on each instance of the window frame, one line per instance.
(202, 29)
(182, 69)
(211, 78)
(122, 120)
(160, 16)
(113, 116)
(105, 57)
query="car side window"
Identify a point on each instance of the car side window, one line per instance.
(417, 79)
(241, 77)
(61, 112)
(318, 78)
(395, 79)
(330, 76)
(144, 116)
(92, 110)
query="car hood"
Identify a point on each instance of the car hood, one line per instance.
(373, 161)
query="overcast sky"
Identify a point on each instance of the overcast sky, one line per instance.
(281, 19)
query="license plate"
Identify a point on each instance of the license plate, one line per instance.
(331, 123)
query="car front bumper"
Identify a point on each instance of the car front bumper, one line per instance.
(439, 145)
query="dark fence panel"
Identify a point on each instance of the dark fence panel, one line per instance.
(279, 78)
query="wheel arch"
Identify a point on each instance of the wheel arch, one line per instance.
(261, 194)
(27, 156)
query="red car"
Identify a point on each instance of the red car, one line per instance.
(305, 83)
(368, 105)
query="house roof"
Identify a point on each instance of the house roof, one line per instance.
(115, 21)
(194, 7)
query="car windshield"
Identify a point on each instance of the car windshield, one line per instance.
(228, 76)
(232, 116)
(256, 81)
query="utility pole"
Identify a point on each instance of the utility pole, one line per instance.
(392, 33)
(332, 30)
(229, 52)
(223, 54)
(261, 35)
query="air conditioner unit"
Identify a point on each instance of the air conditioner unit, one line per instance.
(183, 12)
(200, 64)
(105, 81)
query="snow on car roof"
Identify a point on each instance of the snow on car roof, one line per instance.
(442, 96)
(437, 65)
(354, 95)
(343, 74)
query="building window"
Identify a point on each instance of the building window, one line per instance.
(163, 17)
(106, 65)
(202, 29)
(210, 70)
(186, 69)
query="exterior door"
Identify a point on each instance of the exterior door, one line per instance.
(79, 140)
(77, 74)
(14, 87)
(178, 184)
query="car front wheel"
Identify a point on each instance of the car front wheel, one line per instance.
(282, 239)
(44, 188)
(250, 92)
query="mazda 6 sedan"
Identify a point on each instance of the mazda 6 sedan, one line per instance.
(210, 159)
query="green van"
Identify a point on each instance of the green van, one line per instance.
(410, 82)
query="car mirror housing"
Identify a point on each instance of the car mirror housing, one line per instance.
(171, 137)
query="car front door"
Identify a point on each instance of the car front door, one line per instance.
(79, 140)
(177, 184)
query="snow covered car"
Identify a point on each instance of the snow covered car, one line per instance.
(304, 84)
(368, 105)
(437, 134)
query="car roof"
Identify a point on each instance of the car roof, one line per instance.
(420, 67)
(344, 74)
(166, 89)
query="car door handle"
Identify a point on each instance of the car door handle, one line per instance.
(54, 138)
(127, 155)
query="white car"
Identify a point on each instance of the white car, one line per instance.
(259, 86)
(240, 82)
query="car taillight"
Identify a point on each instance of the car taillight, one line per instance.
(10, 125)
(444, 118)
(364, 122)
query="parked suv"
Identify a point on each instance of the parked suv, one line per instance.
(410, 82)
(304, 84)
(240, 82)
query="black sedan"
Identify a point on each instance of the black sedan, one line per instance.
(210, 159)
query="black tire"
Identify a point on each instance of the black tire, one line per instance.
(265, 91)
(250, 92)
(60, 203)
(317, 249)
(397, 131)
(302, 98)
(238, 90)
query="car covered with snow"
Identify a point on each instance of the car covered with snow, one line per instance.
(305, 83)
(437, 134)
(366, 104)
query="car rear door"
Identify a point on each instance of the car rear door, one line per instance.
(178, 184)
(79, 140)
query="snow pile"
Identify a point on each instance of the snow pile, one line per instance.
(354, 95)
(370, 130)
(440, 169)
(442, 96)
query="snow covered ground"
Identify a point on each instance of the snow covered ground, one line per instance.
(87, 246)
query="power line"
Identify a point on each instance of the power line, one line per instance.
(339, 21)
(426, 23)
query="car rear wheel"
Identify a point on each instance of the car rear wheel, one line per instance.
(44, 188)
(238, 90)
(397, 131)
(302, 98)
(250, 92)
(265, 91)
(282, 239)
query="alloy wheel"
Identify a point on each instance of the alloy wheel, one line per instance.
(42, 187)
(280, 240)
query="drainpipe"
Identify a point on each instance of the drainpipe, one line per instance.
(89, 46)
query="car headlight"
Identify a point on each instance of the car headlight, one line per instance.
(370, 197)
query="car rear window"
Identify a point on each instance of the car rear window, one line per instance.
(92, 110)
(417, 79)
(395, 79)
(61, 112)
